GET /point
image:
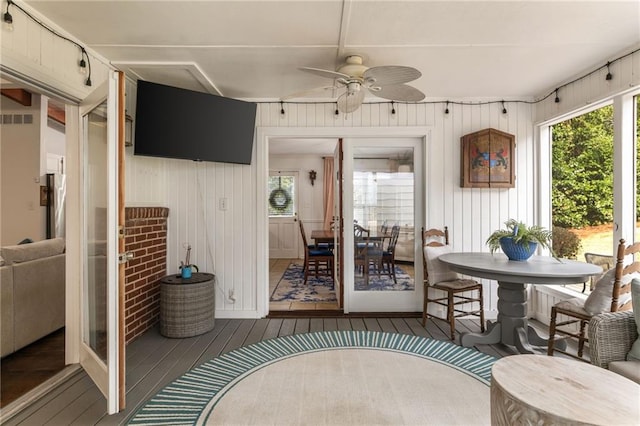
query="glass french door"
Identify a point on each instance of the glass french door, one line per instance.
(102, 131)
(381, 224)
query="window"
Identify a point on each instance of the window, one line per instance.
(593, 179)
(281, 196)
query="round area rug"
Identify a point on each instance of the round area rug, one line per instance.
(340, 377)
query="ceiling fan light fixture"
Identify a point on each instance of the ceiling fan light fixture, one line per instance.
(349, 102)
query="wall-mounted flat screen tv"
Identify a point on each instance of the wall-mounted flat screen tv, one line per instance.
(177, 123)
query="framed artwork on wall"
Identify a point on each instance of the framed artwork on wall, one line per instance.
(488, 159)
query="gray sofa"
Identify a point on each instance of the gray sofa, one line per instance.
(32, 292)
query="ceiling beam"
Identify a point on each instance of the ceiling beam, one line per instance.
(56, 114)
(21, 96)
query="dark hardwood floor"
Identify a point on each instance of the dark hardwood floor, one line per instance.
(153, 361)
(31, 366)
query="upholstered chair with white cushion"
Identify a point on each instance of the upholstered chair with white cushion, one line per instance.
(438, 279)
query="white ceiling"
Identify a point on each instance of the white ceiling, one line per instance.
(252, 49)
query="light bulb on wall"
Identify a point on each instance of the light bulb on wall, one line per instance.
(82, 66)
(7, 19)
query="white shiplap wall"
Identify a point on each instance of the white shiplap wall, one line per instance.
(225, 241)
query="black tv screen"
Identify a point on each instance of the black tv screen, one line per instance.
(178, 123)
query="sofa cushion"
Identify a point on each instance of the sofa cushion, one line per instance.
(634, 353)
(26, 252)
(599, 300)
(436, 269)
(6, 310)
(628, 369)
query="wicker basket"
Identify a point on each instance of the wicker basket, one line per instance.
(187, 306)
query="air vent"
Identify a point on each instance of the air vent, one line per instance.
(27, 119)
(7, 118)
(17, 118)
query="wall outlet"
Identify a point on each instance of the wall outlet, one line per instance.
(223, 203)
(232, 295)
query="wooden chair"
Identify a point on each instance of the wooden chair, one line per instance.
(606, 262)
(389, 254)
(367, 255)
(317, 261)
(453, 286)
(610, 295)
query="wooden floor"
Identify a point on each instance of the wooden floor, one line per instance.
(27, 368)
(153, 361)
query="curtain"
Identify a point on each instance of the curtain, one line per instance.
(328, 192)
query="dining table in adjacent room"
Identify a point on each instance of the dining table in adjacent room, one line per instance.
(322, 236)
(511, 327)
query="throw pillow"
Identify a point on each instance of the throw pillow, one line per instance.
(634, 353)
(600, 298)
(436, 270)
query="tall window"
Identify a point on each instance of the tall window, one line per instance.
(582, 186)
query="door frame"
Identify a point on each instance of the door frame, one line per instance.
(263, 136)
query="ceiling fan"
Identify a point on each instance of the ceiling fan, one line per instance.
(386, 82)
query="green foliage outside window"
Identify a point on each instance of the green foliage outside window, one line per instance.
(582, 169)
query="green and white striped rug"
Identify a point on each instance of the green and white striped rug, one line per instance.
(338, 377)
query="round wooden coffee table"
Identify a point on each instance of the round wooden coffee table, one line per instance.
(538, 389)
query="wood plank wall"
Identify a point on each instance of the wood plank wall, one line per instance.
(225, 241)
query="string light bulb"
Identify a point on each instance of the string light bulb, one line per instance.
(393, 108)
(7, 19)
(281, 108)
(446, 109)
(557, 99)
(504, 109)
(337, 111)
(609, 75)
(82, 66)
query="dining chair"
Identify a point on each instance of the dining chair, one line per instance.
(389, 254)
(438, 278)
(367, 255)
(317, 261)
(611, 294)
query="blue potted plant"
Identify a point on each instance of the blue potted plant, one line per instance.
(519, 241)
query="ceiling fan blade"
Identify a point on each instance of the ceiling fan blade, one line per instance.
(324, 73)
(390, 74)
(304, 93)
(349, 102)
(399, 92)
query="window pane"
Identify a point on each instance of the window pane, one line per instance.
(582, 185)
(281, 194)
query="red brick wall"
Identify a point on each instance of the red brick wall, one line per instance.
(146, 237)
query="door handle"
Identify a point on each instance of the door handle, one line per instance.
(125, 257)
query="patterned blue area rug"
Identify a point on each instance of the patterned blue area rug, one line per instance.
(384, 282)
(291, 287)
(339, 377)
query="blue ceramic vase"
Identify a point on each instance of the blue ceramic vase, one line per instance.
(520, 252)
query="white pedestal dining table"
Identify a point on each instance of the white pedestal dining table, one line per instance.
(511, 327)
